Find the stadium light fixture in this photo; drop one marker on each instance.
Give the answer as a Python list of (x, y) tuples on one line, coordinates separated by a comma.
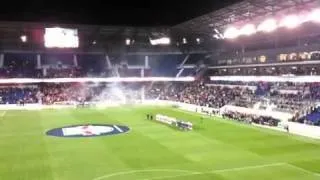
[(291, 21), (198, 40), (24, 38), (268, 25), (231, 33), (184, 41), (216, 36), (94, 42), (128, 41), (160, 41), (248, 30), (314, 16)]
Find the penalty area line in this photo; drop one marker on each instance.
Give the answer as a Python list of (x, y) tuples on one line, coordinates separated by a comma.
[(117, 128), (217, 171), (3, 114), (303, 170), (247, 167), (187, 172)]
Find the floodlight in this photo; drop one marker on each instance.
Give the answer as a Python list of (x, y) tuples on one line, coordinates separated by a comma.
[(268, 25), (165, 40), (248, 29), (216, 30), (184, 41), (231, 33), (24, 38), (128, 41), (291, 21), (198, 40), (216, 36), (314, 16)]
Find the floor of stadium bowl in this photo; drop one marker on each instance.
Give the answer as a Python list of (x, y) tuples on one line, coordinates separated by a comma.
[(216, 148)]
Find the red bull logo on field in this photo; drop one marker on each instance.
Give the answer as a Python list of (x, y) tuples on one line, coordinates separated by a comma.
[(91, 130)]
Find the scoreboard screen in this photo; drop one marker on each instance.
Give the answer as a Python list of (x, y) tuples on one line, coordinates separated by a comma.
[(61, 38)]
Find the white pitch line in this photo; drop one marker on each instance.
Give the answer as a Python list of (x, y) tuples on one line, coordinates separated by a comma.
[(3, 113), (117, 128), (219, 171), (303, 170), (173, 176), (108, 176), (189, 173), (247, 167)]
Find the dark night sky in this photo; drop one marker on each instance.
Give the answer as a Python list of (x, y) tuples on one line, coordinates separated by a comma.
[(115, 12)]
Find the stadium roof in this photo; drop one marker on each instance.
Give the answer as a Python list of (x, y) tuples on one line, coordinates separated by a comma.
[(121, 12), (93, 38), (243, 12), (112, 38)]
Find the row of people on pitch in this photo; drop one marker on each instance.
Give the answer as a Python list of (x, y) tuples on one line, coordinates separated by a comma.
[(248, 118)]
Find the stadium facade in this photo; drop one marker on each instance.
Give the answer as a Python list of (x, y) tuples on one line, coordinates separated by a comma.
[(224, 79)]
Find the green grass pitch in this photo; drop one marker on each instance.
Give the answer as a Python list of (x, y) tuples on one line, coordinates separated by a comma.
[(216, 149)]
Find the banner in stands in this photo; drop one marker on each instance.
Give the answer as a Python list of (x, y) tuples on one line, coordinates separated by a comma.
[(253, 88), (302, 79), (96, 80)]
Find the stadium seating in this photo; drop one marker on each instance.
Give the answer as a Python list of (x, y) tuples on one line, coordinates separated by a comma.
[(275, 97), (283, 97), (15, 95), (165, 65)]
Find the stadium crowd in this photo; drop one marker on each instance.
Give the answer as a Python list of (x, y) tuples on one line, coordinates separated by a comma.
[(285, 97), (203, 95), (210, 95)]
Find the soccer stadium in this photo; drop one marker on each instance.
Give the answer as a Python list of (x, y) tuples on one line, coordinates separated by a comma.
[(230, 95)]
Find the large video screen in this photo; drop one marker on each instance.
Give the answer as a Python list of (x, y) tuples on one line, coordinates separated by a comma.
[(61, 38)]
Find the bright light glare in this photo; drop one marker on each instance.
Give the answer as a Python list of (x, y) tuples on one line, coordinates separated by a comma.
[(184, 41), (268, 25), (128, 41), (24, 38), (61, 38), (291, 21), (315, 16), (198, 40), (160, 41), (248, 29), (231, 33), (216, 36)]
